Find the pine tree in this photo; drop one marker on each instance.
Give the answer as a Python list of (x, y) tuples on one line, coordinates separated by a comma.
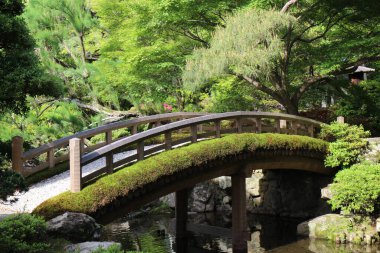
[(20, 72)]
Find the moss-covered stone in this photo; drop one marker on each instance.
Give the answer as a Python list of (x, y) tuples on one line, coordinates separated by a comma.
[(107, 189), (339, 228)]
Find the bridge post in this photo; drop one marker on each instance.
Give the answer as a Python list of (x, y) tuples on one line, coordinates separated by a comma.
[(194, 136), (217, 129), (258, 125), (140, 151), (134, 129), (239, 126), (50, 158), (168, 141), (109, 157), (239, 213), (281, 125), (75, 166), (295, 127), (181, 212), (310, 129), (17, 150)]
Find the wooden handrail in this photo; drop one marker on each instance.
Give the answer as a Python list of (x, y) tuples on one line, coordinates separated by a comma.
[(166, 130), (105, 129)]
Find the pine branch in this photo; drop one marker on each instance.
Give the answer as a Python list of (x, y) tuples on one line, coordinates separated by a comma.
[(288, 5)]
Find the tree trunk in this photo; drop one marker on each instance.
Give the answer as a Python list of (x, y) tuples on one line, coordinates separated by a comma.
[(291, 107)]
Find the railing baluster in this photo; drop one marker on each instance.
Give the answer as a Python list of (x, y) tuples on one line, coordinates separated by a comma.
[(310, 130), (50, 158), (109, 157), (194, 136), (17, 150), (168, 141), (75, 165), (134, 129), (282, 125), (217, 129), (258, 125), (200, 128), (239, 126), (295, 127), (82, 145), (140, 151)]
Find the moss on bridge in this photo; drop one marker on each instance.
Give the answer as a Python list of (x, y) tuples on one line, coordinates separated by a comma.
[(110, 187)]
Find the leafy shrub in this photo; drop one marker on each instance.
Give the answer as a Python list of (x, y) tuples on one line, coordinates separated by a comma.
[(347, 144), (357, 189), (10, 181), (361, 105), (112, 249), (23, 233)]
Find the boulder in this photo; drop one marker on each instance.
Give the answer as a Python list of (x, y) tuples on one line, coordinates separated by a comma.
[(378, 225), (77, 227), (326, 192), (325, 226), (88, 247)]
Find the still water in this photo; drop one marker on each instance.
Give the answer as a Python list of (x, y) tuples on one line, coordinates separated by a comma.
[(156, 233)]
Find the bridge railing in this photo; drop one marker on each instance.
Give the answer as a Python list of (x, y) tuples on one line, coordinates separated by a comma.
[(208, 126), (21, 160)]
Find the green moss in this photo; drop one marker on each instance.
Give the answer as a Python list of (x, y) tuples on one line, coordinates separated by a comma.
[(108, 188)]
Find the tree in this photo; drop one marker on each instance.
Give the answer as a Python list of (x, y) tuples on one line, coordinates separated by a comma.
[(146, 43), (283, 55), (20, 72), (60, 29)]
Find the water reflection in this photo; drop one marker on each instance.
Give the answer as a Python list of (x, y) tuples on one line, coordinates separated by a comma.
[(156, 233)]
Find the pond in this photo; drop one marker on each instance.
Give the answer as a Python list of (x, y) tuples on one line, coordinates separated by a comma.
[(156, 233)]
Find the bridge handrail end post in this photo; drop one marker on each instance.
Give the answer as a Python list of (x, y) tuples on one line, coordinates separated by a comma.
[(17, 150), (75, 165)]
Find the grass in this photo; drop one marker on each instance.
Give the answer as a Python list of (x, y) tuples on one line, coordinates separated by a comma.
[(108, 188)]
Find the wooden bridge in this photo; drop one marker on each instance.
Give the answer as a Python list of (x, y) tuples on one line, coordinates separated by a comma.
[(192, 128)]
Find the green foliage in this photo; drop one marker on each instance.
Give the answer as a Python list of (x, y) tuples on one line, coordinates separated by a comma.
[(23, 233), (148, 48), (357, 189), (43, 122), (231, 94), (20, 72), (347, 144), (61, 34), (279, 54), (119, 184), (10, 181), (112, 249), (361, 105), (250, 45)]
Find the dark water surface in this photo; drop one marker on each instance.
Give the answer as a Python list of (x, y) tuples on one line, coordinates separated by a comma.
[(156, 233)]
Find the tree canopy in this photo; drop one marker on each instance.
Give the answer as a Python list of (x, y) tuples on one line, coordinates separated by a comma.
[(20, 72), (282, 55)]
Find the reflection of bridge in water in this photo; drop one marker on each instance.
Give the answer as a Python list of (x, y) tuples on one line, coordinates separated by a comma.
[(191, 130)]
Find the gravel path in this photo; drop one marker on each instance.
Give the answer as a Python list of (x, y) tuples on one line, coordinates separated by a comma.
[(53, 186)]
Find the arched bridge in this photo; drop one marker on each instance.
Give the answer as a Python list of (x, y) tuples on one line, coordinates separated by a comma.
[(251, 144)]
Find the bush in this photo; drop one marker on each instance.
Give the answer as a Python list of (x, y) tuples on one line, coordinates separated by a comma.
[(23, 233), (347, 144), (112, 249), (10, 181), (357, 189)]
